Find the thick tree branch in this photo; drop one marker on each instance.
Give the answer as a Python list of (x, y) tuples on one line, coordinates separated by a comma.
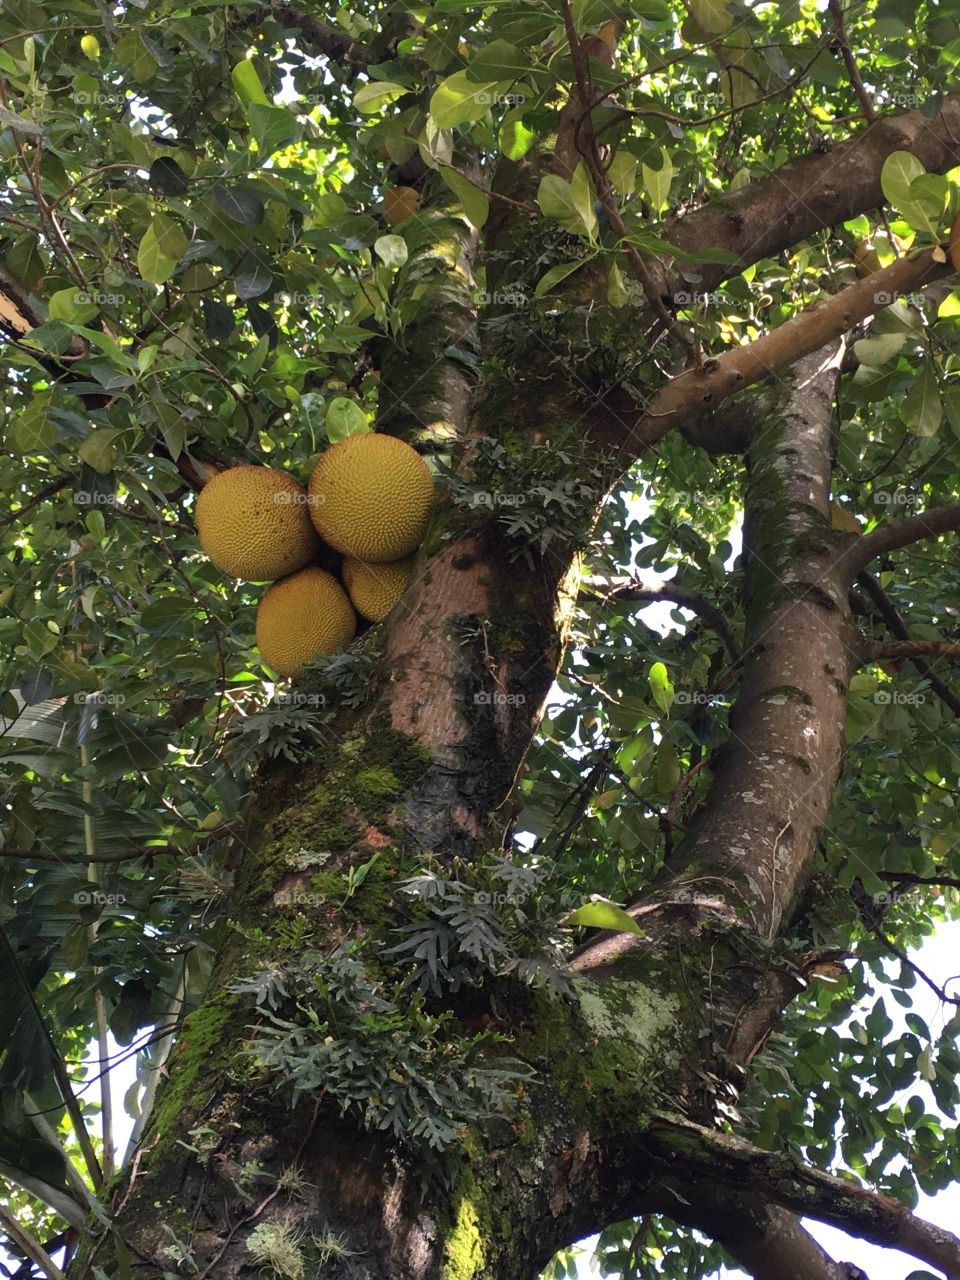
[(787, 1181), (671, 592), (903, 533), (897, 649), (895, 623), (699, 390), (815, 191)]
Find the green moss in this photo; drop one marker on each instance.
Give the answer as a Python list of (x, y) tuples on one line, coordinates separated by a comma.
[(199, 1046), (463, 1248)]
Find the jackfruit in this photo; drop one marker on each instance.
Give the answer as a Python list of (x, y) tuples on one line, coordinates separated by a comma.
[(303, 617), (253, 523), (370, 497), (375, 588)]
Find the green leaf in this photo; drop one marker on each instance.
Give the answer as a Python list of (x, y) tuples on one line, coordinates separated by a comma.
[(240, 204), (657, 182), (391, 250), (34, 432), (550, 279), (131, 51), (167, 176), (458, 100), (617, 294), (369, 98), (273, 127), (515, 139), (247, 84), (10, 120), (604, 915), (345, 418), (556, 200), (669, 770), (876, 351), (899, 170), (72, 306), (97, 450), (476, 204), (160, 251), (584, 197), (661, 687), (623, 172), (922, 408), (498, 61), (253, 277)]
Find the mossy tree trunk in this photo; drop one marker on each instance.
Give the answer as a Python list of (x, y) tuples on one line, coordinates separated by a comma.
[(658, 1028)]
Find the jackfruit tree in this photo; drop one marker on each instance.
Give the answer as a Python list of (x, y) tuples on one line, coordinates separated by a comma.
[(566, 880)]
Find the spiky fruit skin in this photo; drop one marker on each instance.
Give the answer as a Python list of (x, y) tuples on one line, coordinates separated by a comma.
[(254, 523), (370, 497), (375, 588), (303, 617)]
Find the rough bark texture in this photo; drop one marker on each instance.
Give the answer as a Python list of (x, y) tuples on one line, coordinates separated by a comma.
[(423, 769)]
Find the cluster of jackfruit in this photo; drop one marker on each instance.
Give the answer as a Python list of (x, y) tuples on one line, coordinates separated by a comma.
[(368, 499)]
